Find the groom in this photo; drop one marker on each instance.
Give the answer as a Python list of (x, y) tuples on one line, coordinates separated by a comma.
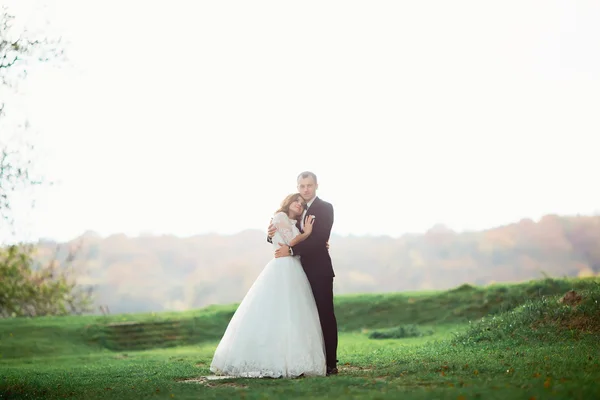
[(314, 255)]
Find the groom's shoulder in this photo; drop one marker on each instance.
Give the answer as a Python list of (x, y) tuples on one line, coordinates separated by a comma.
[(324, 203)]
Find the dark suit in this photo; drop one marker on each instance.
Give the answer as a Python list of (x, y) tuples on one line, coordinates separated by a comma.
[(317, 265)]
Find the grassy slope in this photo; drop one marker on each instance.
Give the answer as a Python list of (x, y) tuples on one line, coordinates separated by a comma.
[(520, 353)]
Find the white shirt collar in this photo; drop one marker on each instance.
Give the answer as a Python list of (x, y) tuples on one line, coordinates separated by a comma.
[(310, 202), (306, 210)]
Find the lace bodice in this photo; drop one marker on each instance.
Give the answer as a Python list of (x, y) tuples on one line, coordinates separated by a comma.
[(286, 229)]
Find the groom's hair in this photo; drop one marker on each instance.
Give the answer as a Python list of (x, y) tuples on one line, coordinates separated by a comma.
[(305, 175)]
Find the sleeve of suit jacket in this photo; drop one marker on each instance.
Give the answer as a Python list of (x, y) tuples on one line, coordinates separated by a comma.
[(321, 231), (269, 240)]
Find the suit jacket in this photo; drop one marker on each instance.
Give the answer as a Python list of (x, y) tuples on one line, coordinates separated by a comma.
[(313, 251)]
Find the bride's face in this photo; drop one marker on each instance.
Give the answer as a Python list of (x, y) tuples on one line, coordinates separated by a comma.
[(297, 206)]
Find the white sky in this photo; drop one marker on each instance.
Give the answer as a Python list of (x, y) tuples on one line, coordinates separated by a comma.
[(187, 117)]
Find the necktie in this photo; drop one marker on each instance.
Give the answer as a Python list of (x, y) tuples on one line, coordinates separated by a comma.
[(303, 215)]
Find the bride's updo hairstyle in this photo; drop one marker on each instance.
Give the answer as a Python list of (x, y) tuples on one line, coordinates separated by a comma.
[(287, 202)]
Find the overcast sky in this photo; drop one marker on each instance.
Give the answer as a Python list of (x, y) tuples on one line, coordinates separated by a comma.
[(187, 117)]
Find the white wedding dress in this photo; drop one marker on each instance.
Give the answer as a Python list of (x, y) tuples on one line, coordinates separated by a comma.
[(275, 332)]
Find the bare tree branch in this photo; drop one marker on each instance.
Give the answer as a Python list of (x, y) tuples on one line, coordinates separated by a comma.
[(17, 51)]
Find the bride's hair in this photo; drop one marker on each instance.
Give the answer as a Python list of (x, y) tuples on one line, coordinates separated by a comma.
[(287, 202)]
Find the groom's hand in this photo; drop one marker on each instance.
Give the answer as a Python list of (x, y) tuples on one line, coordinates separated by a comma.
[(282, 251), (271, 230)]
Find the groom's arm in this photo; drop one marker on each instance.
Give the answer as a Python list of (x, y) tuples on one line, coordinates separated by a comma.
[(320, 234), (269, 233)]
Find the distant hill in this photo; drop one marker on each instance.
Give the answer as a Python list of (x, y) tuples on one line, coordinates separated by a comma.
[(156, 273)]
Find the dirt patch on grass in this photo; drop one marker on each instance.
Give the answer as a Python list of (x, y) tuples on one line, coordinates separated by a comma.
[(577, 318), (213, 381), (354, 368), (584, 323), (571, 298)]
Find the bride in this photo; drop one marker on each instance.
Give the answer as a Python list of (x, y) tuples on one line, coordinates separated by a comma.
[(275, 332)]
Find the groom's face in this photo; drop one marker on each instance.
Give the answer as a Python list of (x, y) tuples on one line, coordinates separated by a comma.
[(307, 188)]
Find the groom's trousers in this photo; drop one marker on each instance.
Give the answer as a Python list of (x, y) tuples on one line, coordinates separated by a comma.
[(322, 288)]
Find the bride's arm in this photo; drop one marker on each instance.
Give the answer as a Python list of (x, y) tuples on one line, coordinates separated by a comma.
[(300, 238), (308, 228), (282, 224)]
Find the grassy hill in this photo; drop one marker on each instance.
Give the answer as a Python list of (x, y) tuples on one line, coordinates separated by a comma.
[(500, 341)]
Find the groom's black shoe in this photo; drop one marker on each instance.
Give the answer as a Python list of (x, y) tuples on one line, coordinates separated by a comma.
[(332, 371)]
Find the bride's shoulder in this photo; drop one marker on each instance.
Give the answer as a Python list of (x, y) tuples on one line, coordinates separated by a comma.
[(280, 216)]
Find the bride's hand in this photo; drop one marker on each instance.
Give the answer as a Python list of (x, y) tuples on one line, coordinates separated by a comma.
[(309, 220)]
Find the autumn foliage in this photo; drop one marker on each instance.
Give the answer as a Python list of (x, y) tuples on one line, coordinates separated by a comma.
[(153, 273), (30, 289)]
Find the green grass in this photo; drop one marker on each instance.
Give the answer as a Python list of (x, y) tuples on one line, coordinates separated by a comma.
[(528, 345)]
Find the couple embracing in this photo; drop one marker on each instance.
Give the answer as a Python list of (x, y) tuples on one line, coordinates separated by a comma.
[(285, 326)]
